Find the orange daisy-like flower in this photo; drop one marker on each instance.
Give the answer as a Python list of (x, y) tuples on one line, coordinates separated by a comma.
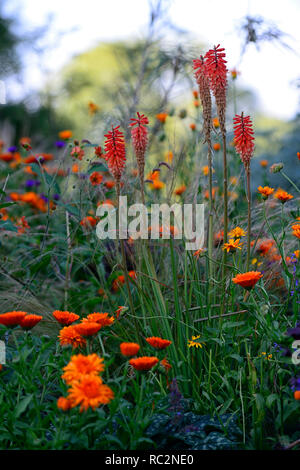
[(80, 366), (217, 146), (218, 237), (68, 336), (102, 319), (158, 343), (90, 393), (12, 318), (64, 404), (265, 191), (237, 232), (65, 135), (232, 245), (144, 363), (247, 280), (297, 395), (162, 117), (87, 328), (65, 318), (30, 321), (88, 222), (180, 190), (96, 178), (193, 126), (110, 184), (296, 231), (216, 122), (264, 247), (264, 163), (282, 196), (129, 349)]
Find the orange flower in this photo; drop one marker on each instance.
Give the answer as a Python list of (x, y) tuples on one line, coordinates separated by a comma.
[(1, 367), (7, 157), (87, 328), (158, 343), (65, 135), (218, 237), (298, 155), (234, 74), (180, 190), (119, 281), (80, 366), (90, 393), (69, 336), (196, 103), (217, 146), (205, 170), (129, 349), (195, 93), (144, 363), (165, 364), (30, 321), (101, 318), (297, 253), (162, 117), (237, 232), (214, 191), (96, 178), (22, 224), (297, 395), (265, 246), (93, 108), (110, 184), (12, 318), (232, 245), (282, 196), (199, 253), (193, 126), (64, 404), (264, 163), (247, 280), (119, 310), (75, 168), (296, 231), (265, 191), (216, 122), (88, 221), (65, 318)]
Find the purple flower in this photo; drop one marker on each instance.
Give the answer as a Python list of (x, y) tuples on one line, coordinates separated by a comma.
[(12, 149), (56, 197), (32, 183), (60, 144)]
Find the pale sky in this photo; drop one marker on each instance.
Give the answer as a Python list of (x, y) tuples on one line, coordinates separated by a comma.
[(270, 72)]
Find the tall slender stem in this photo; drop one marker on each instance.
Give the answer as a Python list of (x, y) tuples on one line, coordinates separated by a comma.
[(247, 168), (210, 220), (225, 237)]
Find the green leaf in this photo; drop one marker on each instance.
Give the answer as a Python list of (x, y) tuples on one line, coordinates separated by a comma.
[(22, 405)]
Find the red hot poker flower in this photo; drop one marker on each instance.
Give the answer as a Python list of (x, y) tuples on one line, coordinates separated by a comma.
[(115, 152), (216, 69), (139, 135), (203, 83), (243, 137)]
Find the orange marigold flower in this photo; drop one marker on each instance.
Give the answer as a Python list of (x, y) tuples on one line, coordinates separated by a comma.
[(64, 404), (87, 328), (90, 393), (264, 247), (12, 318), (217, 146), (232, 245), (102, 318), (298, 155), (162, 117), (199, 253), (68, 336), (218, 237), (65, 135), (297, 395), (96, 178), (129, 349), (180, 190), (88, 222), (264, 163), (193, 126), (247, 280), (265, 191), (144, 363), (158, 343), (282, 195), (237, 232), (65, 318), (205, 170), (296, 231), (195, 93), (196, 103), (110, 184), (81, 366), (30, 321)]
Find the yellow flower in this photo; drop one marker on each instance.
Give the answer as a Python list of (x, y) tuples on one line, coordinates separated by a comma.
[(237, 232), (232, 245), (193, 343)]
